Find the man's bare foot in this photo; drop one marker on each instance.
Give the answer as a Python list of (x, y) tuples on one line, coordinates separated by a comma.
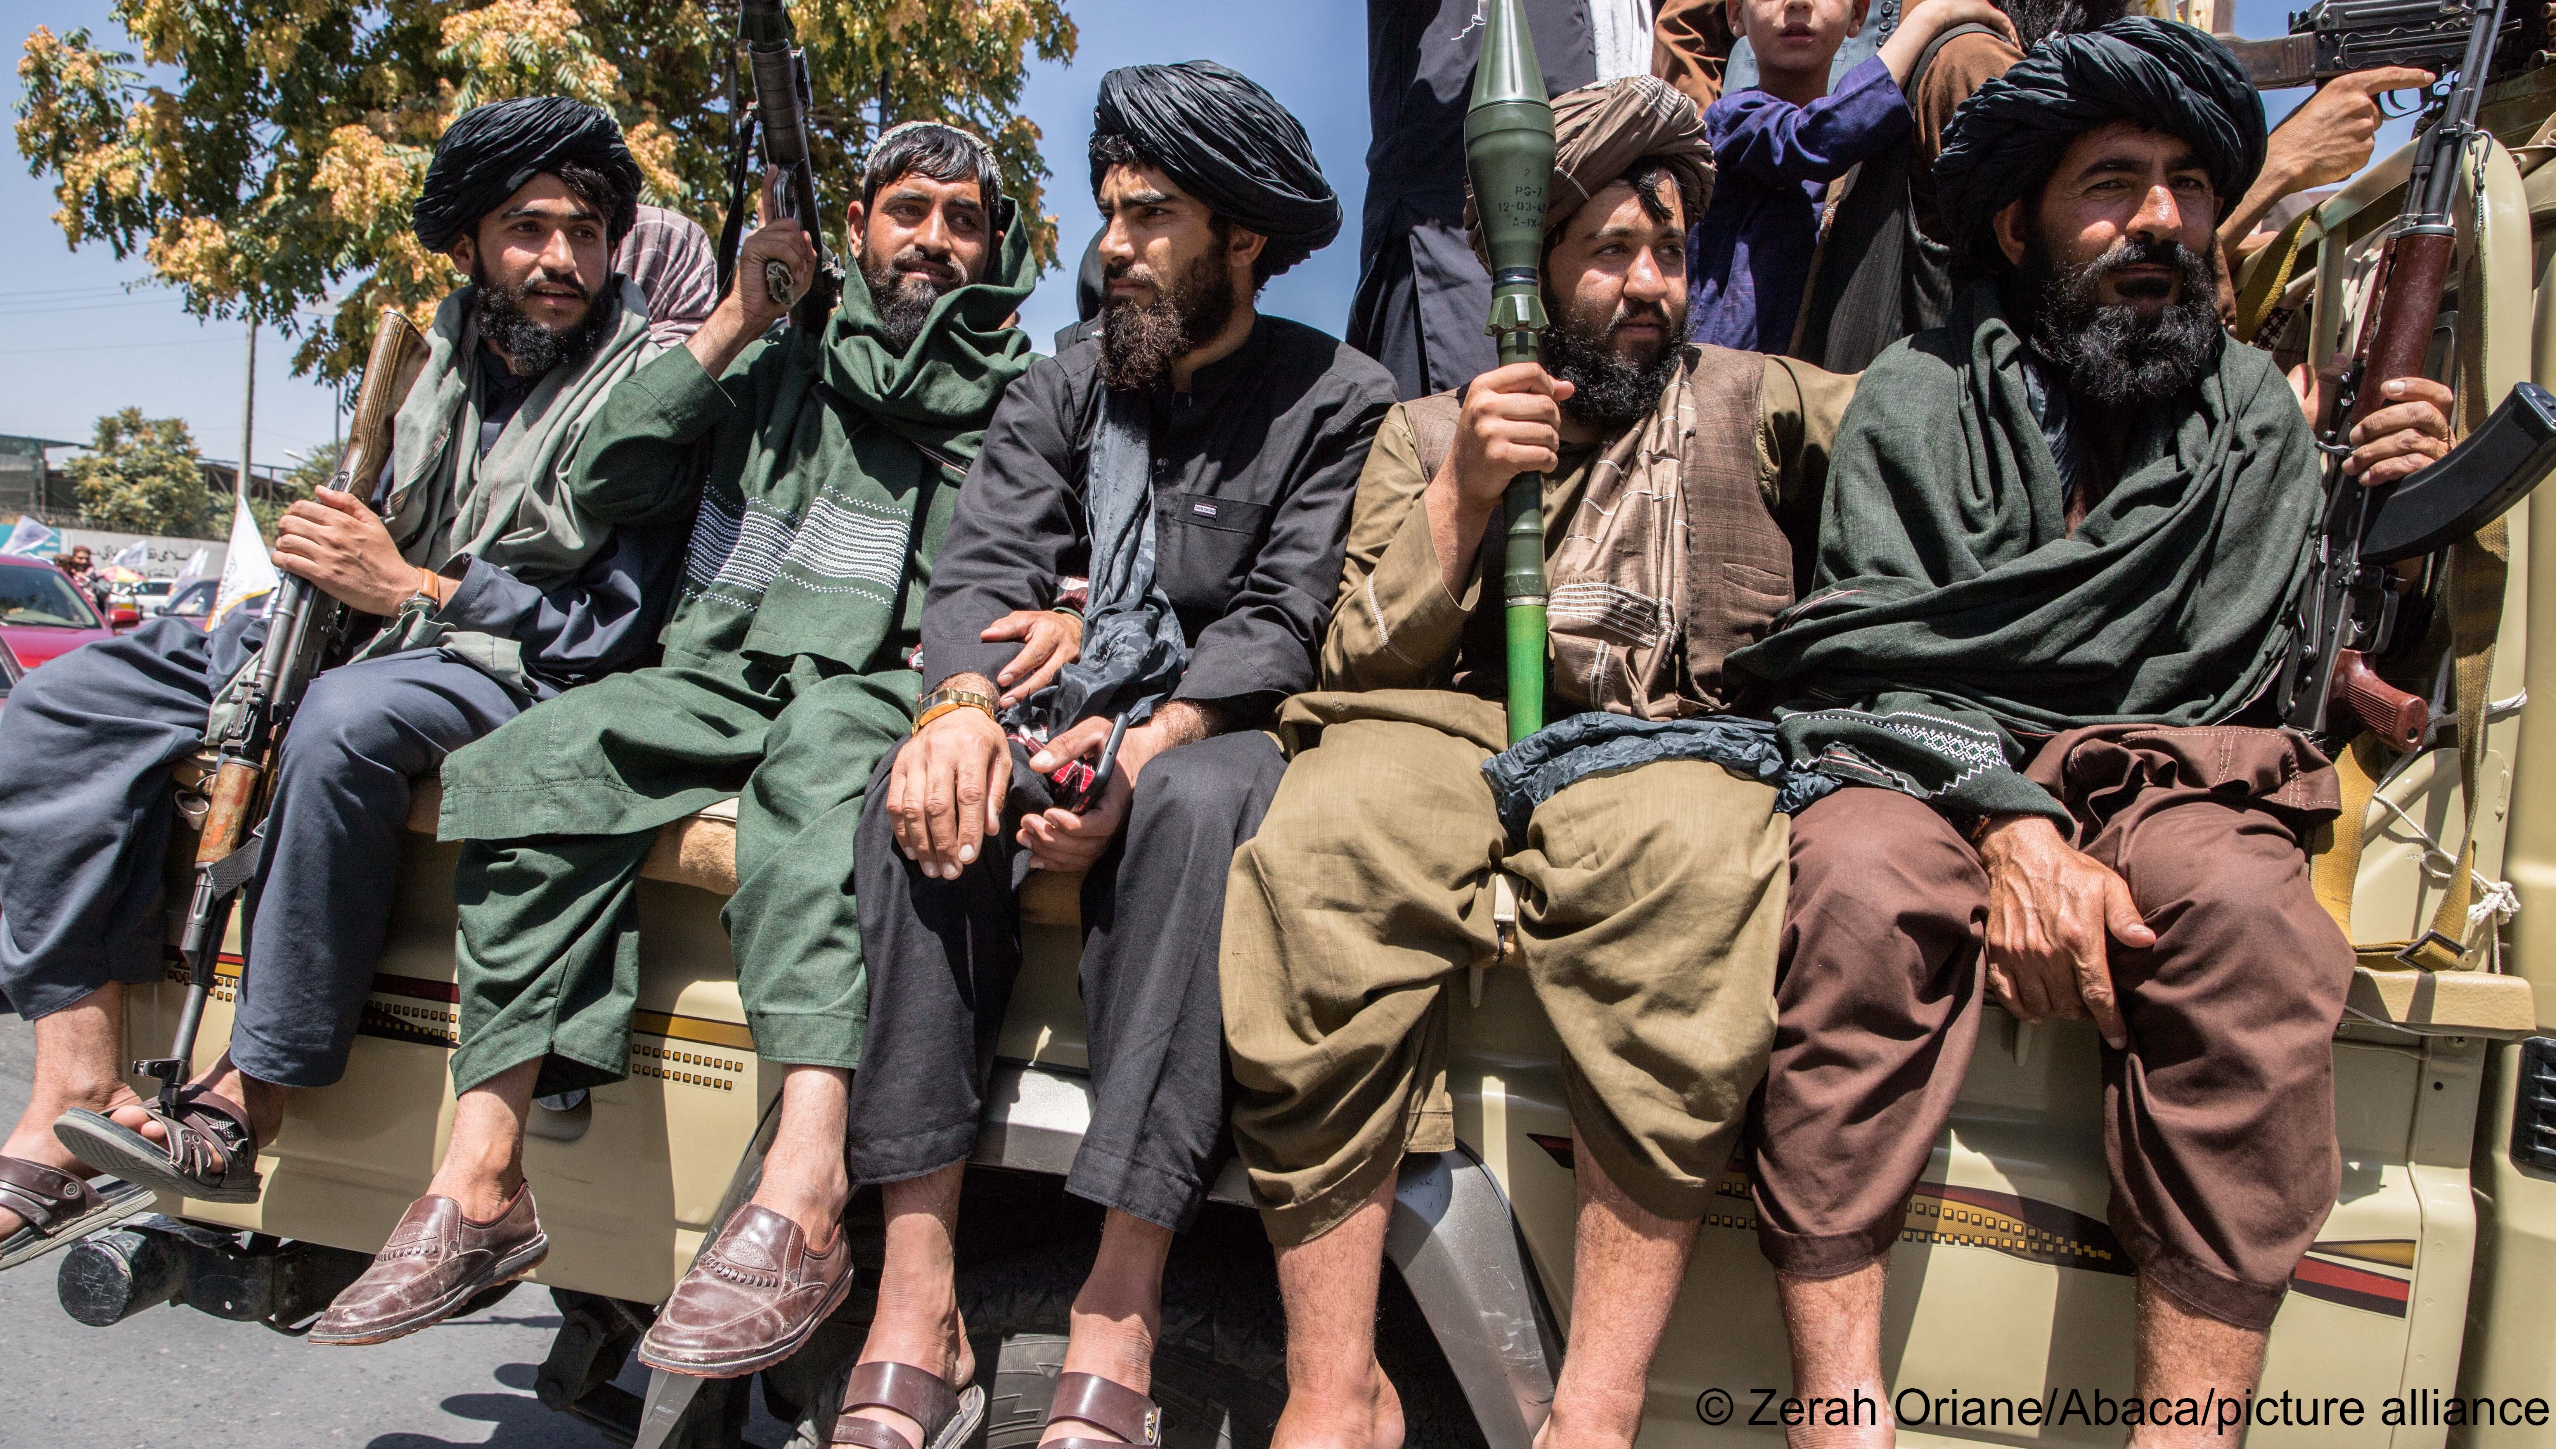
[(902, 1338), (1369, 1419), (37, 1143)]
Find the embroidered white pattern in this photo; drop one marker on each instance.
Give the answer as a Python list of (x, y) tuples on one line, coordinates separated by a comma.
[(740, 547), (1642, 621), (836, 541)]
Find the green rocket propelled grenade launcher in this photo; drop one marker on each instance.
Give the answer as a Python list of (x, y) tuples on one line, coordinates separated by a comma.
[(1511, 153)]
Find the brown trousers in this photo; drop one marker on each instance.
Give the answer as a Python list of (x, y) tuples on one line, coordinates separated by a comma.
[(1649, 926), (2218, 1119)]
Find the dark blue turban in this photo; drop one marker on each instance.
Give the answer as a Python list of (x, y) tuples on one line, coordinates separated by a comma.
[(2006, 139), (1229, 143), (491, 151)]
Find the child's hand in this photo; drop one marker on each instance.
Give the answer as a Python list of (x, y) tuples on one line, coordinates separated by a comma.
[(1947, 14), (1926, 19)]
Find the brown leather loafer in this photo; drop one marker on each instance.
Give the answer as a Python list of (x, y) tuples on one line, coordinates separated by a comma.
[(434, 1264), (751, 1299)]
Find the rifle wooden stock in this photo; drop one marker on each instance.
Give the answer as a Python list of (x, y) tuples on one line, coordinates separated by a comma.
[(394, 363), (229, 807), (2398, 719)]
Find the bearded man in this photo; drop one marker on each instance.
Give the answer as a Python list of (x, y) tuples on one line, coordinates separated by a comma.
[(1194, 461), (822, 473), (498, 590), (2055, 586), (1651, 884)]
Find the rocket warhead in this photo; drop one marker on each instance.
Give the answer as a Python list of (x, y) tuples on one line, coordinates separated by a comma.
[(1511, 154)]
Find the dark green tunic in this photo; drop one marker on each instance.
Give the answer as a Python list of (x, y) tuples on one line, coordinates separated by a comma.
[(1955, 625), (822, 479)]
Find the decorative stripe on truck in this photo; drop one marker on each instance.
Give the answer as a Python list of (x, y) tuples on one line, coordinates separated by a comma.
[(1943, 1214)]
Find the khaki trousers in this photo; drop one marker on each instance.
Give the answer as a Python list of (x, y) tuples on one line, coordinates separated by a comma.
[(1649, 920)]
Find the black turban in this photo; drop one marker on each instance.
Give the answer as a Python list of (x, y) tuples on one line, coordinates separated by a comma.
[(2006, 139), (1229, 143), (491, 151)]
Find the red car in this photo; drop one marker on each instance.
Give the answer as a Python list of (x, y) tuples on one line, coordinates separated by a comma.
[(41, 613)]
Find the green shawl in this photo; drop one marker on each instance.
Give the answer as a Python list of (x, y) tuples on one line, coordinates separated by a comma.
[(810, 526), (1954, 625), (513, 507)]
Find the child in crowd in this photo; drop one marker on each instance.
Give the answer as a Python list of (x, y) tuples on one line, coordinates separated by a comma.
[(1780, 142)]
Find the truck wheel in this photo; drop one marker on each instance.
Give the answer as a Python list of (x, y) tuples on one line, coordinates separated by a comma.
[(1220, 1371)]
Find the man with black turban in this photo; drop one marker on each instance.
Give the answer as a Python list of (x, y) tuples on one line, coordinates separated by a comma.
[(819, 475), (497, 590), (1650, 862), (2055, 586), (1193, 461)]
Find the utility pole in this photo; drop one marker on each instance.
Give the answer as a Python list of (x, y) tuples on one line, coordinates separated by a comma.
[(250, 385)]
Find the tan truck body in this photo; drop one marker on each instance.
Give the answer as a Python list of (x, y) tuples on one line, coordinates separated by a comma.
[(2434, 1274)]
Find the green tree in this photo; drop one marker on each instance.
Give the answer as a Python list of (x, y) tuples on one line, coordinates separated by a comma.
[(278, 167), (141, 476)]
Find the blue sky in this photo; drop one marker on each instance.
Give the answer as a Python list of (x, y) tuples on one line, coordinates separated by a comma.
[(73, 345)]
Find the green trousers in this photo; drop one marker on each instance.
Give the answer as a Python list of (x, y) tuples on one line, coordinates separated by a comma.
[(559, 808)]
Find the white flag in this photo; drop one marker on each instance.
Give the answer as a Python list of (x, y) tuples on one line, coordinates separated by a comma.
[(248, 572), (32, 539), (132, 556), (196, 568)]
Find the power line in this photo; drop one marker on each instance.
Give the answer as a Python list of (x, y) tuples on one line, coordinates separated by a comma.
[(108, 347)]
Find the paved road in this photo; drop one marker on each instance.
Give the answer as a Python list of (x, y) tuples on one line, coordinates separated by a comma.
[(175, 1376)]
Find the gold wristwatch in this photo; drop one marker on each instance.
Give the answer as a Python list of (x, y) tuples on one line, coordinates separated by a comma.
[(942, 701)]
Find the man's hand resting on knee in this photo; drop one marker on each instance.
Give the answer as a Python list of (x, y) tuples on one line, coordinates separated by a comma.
[(2053, 912), (945, 794)]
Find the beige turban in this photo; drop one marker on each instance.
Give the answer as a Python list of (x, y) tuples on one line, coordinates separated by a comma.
[(1603, 129)]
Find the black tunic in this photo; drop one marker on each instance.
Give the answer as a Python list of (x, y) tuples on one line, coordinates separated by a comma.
[(1422, 298), (1253, 473)]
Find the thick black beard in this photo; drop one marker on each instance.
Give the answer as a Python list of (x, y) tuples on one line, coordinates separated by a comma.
[(1610, 391), (1139, 340), (2113, 357), (903, 304), (533, 348)]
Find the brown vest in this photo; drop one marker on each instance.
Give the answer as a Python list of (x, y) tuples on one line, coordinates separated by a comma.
[(1740, 560)]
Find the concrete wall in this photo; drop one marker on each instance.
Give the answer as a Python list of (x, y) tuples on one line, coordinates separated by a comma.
[(163, 558)]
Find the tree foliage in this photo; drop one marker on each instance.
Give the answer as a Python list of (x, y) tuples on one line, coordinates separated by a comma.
[(141, 476), (268, 157)]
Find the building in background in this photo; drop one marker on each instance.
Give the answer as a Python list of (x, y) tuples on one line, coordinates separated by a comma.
[(27, 483)]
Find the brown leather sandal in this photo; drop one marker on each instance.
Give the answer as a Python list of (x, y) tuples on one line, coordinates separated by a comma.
[(946, 1416), (211, 1154), (59, 1207), (1133, 1420)]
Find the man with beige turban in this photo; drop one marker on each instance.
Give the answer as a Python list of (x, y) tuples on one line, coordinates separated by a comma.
[(1639, 829)]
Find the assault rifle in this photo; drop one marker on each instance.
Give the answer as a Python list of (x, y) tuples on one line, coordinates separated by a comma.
[(306, 628), (781, 93), (2349, 611), (2338, 37)]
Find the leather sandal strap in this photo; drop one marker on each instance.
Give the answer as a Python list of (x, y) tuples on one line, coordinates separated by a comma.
[(43, 1195), (917, 1394), (209, 1136), (869, 1433), (1106, 1404)]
